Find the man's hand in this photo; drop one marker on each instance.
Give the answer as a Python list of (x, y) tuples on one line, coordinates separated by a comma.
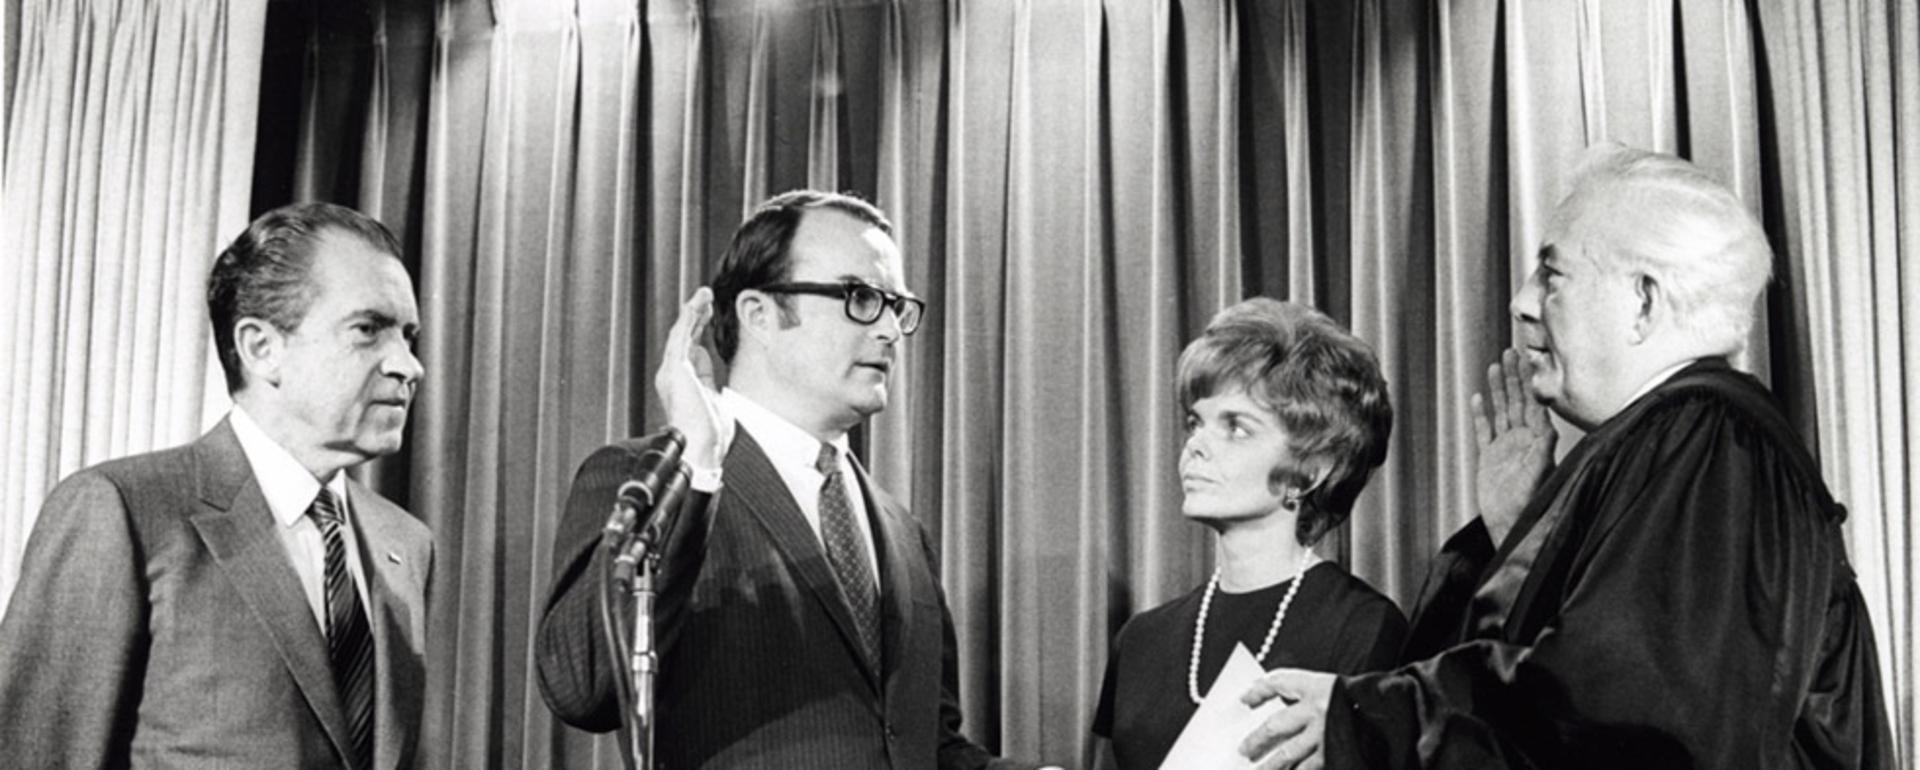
[(1291, 737), (1515, 444), (684, 383)]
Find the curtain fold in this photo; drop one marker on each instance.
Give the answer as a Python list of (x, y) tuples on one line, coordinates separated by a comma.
[(1390, 274), (1077, 186), (542, 312), (128, 147), (1846, 80), (1149, 552), (1472, 237), (1052, 414)]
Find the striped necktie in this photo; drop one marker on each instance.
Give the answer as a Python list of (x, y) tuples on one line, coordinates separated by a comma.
[(845, 553), (349, 639)]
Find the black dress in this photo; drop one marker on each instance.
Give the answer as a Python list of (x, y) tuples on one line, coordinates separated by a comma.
[(1337, 624)]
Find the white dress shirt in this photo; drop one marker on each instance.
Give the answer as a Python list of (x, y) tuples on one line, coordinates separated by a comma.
[(793, 452), (290, 490)]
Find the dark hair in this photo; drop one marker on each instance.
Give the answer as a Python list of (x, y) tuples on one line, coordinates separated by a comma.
[(759, 254), (1321, 381), (265, 273)]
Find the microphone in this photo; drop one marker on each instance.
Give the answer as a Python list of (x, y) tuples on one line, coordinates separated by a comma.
[(666, 513), (654, 534), (658, 464)]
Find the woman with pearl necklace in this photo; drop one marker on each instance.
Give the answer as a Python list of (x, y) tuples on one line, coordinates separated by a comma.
[(1287, 415)]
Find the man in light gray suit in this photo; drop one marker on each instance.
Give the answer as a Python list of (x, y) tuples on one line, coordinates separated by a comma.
[(239, 601)]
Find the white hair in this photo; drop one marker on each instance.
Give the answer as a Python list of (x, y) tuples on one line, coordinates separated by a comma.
[(1664, 217)]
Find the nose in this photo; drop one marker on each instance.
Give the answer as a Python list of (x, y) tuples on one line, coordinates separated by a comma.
[(401, 363), (1193, 447), (1525, 306), (887, 326)]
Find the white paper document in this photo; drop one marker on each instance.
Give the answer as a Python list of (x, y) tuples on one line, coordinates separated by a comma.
[(1211, 740)]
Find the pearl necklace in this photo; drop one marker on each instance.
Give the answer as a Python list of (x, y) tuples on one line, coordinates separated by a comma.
[(1279, 616)]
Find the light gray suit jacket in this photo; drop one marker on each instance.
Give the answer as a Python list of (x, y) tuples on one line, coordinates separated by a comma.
[(158, 622)]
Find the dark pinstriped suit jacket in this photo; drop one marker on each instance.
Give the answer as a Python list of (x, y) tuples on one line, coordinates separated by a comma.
[(157, 622), (758, 665)]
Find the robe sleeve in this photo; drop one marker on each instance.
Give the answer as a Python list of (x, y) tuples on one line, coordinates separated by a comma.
[(1447, 591), (1701, 570)]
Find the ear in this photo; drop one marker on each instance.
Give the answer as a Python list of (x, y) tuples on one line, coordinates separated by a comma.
[(1649, 301), (1319, 470), (1316, 473), (262, 349), (756, 312)]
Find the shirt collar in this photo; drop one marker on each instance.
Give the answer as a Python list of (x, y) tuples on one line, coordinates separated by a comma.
[(287, 485), (786, 444), (1663, 376)]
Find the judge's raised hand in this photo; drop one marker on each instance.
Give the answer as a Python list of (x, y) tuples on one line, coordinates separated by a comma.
[(684, 383), (1291, 737), (1515, 441)]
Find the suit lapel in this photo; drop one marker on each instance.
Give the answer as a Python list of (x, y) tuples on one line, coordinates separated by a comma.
[(752, 479), (397, 673), (237, 527)]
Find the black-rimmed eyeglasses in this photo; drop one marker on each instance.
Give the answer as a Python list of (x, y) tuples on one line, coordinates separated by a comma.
[(864, 302)]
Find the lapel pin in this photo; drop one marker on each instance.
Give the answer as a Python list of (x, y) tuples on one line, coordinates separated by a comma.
[(393, 557)]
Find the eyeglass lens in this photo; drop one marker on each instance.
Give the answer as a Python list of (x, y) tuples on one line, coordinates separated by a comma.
[(866, 302)]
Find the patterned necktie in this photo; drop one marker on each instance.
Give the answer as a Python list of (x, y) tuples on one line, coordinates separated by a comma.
[(845, 552), (349, 638)]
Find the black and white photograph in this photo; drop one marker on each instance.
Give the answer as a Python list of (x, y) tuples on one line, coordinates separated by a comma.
[(960, 384)]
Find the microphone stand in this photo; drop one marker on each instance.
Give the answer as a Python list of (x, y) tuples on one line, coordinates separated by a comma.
[(617, 645), (642, 661), (637, 567)]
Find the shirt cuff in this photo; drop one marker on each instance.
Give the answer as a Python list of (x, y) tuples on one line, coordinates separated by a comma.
[(704, 480)]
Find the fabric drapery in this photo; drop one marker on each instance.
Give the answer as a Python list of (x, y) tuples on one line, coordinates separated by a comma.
[(1077, 186), (128, 145), (1846, 81)]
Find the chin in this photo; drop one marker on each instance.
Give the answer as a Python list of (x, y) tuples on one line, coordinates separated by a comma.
[(1199, 503), (380, 444), (1200, 510), (1545, 387), (871, 402), (1208, 518)]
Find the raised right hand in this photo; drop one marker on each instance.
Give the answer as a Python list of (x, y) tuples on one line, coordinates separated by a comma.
[(1515, 441), (684, 383)]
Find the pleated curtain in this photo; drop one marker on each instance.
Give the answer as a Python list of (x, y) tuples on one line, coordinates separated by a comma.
[(127, 148), (1078, 185)]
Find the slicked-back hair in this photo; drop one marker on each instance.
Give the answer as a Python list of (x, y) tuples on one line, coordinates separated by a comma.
[(1661, 216), (266, 273), (760, 254), (1323, 384)]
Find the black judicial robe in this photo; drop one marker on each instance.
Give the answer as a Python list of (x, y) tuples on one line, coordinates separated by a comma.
[(1677, 594)]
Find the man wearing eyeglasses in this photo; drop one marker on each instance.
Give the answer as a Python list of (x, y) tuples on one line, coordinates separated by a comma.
[(801, 619)]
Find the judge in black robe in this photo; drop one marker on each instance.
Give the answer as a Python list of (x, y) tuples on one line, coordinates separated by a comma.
[(1676, 594)]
